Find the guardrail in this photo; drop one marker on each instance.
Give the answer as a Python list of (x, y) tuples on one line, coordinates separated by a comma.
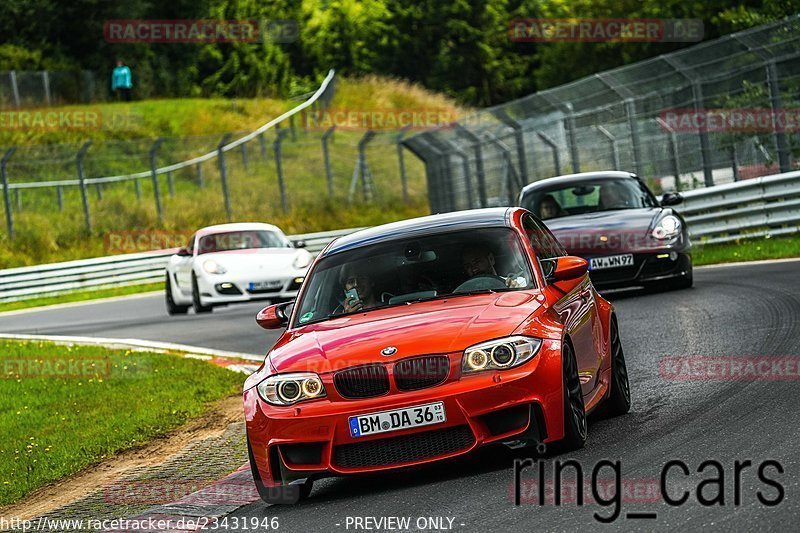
[(112, 271), (753, 208), (769, 205)]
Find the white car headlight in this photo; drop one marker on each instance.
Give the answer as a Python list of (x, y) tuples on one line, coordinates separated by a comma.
[(302, 260), (288, 389), (499, 354), (668, 227), (212, 267)]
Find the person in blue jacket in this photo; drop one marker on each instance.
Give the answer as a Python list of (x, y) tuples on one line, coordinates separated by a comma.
[(121, 83)]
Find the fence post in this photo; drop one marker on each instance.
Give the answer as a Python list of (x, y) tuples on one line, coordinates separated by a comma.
[(673, 148), (292, 127), (223, 174), (14, 87), (402, 162), (60, 197), (327, 159), (46, 84), (200, 182), (84, 196), (361, 171), (18, 198), (554, 147), (154, 176), (478, 162), (734, 162), (279, 166), (244, 156), (171, 184), (465, 169), (630, 111), (519, 138), (569, 123), (784, 153), (614, 148), (137, 187), (705, 145), (263, 142), (7, 191)]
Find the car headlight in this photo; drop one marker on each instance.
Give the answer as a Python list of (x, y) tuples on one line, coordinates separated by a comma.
[(288, 389), (212, 267), (499, 354), (302, 260), (667, 228)]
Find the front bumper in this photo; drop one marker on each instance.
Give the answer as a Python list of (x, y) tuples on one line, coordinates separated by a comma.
[(313, 439), (223, 288), (647, 268)]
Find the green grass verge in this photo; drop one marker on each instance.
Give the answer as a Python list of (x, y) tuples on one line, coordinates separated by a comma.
[(80, 296), (54, 425), (746, 250)]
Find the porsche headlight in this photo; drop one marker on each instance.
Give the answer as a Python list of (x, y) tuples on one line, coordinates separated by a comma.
[(499, 354), (288, 389), (668, 227), (302, 260), (212, 267)]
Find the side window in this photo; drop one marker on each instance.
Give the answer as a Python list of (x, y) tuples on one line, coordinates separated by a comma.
[(190, 246), (547, 247)]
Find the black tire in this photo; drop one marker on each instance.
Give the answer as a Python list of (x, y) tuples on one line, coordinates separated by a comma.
[(284, 495), (619, 400), (574, 409), (172, 307), (196, 303)]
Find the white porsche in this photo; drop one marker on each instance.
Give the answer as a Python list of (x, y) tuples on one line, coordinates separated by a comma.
[(231, 263)]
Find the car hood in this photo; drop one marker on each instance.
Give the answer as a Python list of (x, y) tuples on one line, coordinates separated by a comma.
[(263, 260), (607, 232), (437, 326)]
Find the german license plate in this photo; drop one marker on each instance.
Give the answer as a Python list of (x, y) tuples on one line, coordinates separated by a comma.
[(396, 419), (262, 285), (610, 261)]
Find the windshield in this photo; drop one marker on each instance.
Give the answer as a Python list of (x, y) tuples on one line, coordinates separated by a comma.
[(403, 271), (240, 240), (588, 196)]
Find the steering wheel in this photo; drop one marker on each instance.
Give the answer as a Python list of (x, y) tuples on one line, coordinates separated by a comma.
[(482, 282)]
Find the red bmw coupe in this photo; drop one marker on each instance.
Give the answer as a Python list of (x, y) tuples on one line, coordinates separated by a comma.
[(421, 340)]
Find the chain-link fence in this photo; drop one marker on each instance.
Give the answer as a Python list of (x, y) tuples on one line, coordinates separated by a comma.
[(288, 164), (717, 112), (25, 89)]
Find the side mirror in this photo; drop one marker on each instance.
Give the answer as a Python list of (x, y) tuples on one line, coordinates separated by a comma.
[(299, 244), (569, 268), (671, 198), (274, 316), (184, 252)]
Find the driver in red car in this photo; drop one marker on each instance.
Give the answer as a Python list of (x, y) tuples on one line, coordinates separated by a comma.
[(478, 260)]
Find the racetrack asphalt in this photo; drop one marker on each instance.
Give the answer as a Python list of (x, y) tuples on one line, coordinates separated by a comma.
[(733, 311)]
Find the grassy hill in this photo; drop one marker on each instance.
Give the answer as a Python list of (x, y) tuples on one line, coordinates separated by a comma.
[(192, 127)]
